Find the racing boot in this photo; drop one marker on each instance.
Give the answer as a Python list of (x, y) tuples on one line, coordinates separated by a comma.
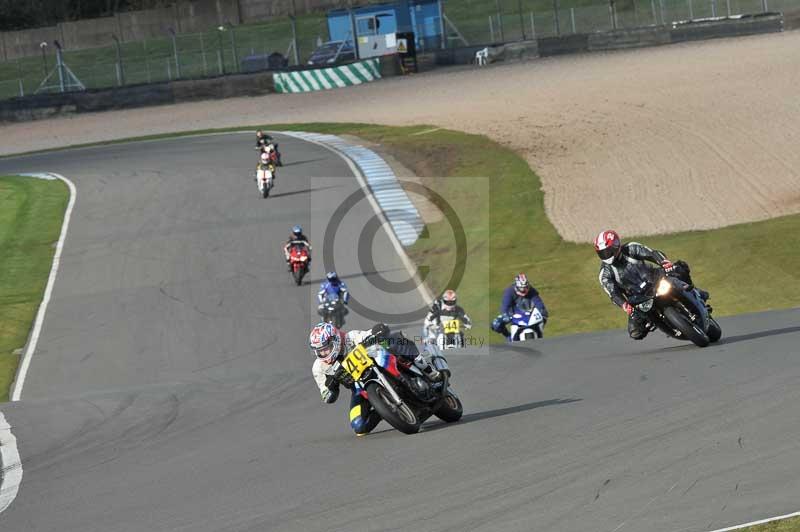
[(425, 367)]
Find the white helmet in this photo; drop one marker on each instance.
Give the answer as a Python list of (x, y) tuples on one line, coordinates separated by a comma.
[(264, 158)]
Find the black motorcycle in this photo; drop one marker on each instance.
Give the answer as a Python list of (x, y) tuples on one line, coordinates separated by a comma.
[(399, 393), (671, 304), (333, 312)]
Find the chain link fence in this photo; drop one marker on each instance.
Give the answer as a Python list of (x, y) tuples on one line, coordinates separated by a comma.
[(510, 20), (234, 49), (223, 50)]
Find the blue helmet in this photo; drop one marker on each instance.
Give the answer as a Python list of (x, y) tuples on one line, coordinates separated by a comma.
[(297, 230), (332, 277)]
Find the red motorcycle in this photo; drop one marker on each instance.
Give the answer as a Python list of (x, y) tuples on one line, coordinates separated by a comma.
[(298, 260), (274, 155)]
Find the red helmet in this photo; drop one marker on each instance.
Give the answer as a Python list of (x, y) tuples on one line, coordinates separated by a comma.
[(608, 246)]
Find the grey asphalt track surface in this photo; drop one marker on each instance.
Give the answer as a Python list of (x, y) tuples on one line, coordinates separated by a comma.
[(171, 390)]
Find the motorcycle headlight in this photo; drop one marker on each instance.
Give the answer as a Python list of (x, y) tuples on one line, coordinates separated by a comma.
[(663, 287), (646, 306)]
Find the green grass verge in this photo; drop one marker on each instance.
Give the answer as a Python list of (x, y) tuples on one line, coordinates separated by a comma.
[(747, 267), (785, 525), (31, 213)]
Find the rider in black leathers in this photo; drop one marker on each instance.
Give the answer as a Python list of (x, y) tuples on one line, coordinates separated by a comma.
[(618, 257)]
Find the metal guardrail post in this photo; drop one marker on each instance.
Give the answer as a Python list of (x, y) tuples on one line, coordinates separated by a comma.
[(293, 22), (43, 47), (491, 27), (521, 20), (572, 18), (691, 10), (728, 5)]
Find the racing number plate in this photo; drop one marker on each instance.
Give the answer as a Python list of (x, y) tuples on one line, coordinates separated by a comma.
[(452, 327), (357, 361)]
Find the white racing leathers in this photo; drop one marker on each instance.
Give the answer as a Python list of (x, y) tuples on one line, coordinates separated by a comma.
[(320, 369)]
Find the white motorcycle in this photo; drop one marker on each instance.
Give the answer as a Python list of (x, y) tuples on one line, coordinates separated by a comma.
[(265, 178), (450, 334)]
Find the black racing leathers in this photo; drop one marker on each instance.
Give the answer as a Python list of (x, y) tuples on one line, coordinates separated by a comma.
[(615, 277)]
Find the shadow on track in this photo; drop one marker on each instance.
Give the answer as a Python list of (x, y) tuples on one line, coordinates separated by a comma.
[(355, 275), (303, 191), (478, 416), (298, 163), (759, 334)]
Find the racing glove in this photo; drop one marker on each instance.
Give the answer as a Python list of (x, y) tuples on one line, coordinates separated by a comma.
[(667, 265), (628, 308)]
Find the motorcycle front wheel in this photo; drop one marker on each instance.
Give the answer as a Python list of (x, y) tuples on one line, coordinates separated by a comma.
[(714, 330), (298, 276), (451, 409), (688, 330), (400, 417)]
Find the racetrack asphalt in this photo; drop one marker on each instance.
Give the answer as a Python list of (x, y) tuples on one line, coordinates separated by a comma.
[(171, 389)]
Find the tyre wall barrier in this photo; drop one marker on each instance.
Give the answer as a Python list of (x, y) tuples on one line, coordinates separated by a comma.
[(567, 44), (632, 38), (39, 106), (328, 78), (726, 27)]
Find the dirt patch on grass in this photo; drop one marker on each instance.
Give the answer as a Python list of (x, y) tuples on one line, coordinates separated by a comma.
[(656, 140)]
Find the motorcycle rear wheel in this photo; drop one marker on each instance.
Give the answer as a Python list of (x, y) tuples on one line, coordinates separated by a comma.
[(688, 330), (451, 409), (265, 192), (402, 418), (298, 276)]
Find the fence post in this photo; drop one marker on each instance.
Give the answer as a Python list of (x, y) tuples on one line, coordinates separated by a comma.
[(491, 28), (21, 88), (220, 29), (203, 54), (293, 22), (175, 52), (169, 69), (500, 22), (653, 7), (691, 10), (764, 5), (612, 15), (572, 18), (728, 5), (120, 70), (714, 8), (233, 47), (663, 10), (521, 20), (556, 22)]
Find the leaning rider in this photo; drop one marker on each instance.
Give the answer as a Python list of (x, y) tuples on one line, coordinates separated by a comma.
[(297, 238), (332, 289), (521, 291), (330, 344), (616, 257), (445, 306)]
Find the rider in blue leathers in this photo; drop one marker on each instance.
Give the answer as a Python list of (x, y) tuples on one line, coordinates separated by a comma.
[(512, 296), (332, 289)]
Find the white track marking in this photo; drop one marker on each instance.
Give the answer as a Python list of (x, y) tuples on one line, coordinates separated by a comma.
[(22, 371), (10, 465), (759, 522), (426, 294)]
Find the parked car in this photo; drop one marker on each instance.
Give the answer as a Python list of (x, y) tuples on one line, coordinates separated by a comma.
[(332, 52), (258, 62)]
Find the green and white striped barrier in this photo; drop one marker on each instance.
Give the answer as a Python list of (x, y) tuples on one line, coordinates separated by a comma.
[(328, 78)]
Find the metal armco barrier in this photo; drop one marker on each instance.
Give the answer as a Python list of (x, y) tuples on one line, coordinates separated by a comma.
[(328, 78)]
